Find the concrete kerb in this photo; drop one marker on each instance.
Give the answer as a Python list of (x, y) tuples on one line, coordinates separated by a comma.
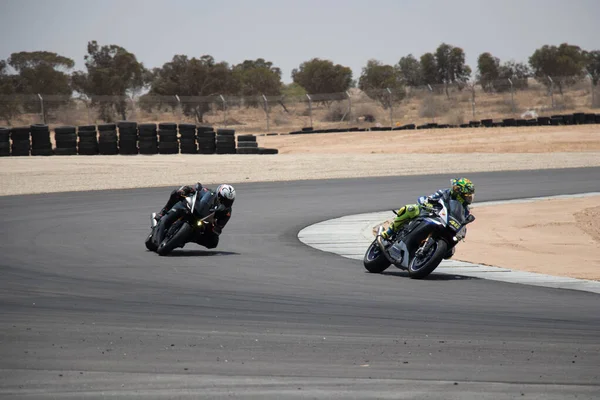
[(349, 237)]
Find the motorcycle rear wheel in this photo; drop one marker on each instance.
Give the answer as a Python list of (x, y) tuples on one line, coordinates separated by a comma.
[(173, 240), (375, 261), (420, 268)]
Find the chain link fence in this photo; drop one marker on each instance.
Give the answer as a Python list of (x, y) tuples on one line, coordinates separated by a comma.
[(444, 104)]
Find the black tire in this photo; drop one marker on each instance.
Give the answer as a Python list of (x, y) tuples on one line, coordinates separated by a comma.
[(246, 138), (247, 144), (434, 259), (174, 239), (4, 135), (149, 242), (206, 135), (374, 260), (167, 126), (90, 128), (226, 132), (266, 150), (65, 151), (107, 127), (246, 150)]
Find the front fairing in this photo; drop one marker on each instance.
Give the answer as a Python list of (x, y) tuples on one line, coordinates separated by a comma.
[(204, 204)]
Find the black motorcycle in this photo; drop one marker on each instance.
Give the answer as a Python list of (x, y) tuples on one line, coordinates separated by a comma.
[(421, 245), (189, 217)]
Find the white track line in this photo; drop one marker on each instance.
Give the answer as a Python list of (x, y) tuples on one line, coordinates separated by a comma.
[(350, 236)]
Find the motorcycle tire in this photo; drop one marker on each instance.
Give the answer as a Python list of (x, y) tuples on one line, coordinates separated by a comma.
[(421, 271), (150, 243), (375, 261), (174, 239)]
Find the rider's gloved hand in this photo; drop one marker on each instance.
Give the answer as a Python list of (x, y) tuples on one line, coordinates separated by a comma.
[(428, 206)]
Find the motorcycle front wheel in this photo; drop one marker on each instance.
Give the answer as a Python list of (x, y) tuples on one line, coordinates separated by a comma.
[(150, 242), (177, 235), (375, 261), (423, 265)]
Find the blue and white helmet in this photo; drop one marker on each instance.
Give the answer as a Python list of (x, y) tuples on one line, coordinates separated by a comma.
[(226, 195)]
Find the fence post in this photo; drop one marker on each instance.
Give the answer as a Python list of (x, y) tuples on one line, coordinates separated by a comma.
[(179, 107), (310, 109), (432, 103), (473, 99), (266, 110), (592, 87), (224, 110), (43, 115), (551, 91), (391, 108), (349, 111), (512, 96)]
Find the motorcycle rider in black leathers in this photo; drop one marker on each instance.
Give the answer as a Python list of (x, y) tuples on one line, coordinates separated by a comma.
[(223, 202)]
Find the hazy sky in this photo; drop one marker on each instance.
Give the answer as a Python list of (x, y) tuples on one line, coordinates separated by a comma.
[(286, 32)]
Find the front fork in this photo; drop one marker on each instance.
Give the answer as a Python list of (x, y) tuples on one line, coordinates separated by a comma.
[(425, 246)]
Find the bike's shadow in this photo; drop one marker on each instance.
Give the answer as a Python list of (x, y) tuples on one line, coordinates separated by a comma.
[(433, 277), (200, 253)]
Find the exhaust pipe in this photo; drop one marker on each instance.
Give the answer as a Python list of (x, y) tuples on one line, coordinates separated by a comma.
[(381, 247)]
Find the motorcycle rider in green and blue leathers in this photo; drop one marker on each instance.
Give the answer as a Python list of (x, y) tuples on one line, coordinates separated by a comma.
[(461, 189)]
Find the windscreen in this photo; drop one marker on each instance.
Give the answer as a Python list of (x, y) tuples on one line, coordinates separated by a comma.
[(204, 201), (457, 211)]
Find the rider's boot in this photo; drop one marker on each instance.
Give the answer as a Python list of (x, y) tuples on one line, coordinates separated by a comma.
[(160, 214)]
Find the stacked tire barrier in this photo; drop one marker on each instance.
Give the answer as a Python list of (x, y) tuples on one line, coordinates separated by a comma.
[(167, 138), (21, 141), (107, 139), (148, 139), (225, 141), (66, 140), (4, 142), (128, 137), (187, 139), (206, 139), (246, 144), (40, 141), (88, 140)]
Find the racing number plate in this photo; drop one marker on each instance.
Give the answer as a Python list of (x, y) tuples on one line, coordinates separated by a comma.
[(454, 223)]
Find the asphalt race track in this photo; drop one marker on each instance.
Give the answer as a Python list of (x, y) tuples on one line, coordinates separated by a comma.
[(87, 312)]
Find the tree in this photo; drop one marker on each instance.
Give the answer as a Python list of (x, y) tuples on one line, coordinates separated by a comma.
[(565, 64), (195, 77), (258, 77), (410, 71), (488, 67), (376, 78), (451, 67), (9, 105), (112, 72), (293, 90), (429, 69), (592, 65), (44, 73), (517, 72), (322, 76)]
